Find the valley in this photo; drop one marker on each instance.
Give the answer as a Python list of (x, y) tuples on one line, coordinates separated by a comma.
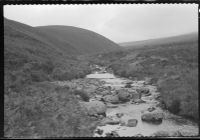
[(63, 81)]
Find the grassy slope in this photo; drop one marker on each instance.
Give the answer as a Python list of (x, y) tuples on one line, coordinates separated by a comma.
[(160, 41), (173, 66), (32, 106), (83, 40)]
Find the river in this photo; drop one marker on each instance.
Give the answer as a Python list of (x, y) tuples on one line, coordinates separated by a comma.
[(134, 111)]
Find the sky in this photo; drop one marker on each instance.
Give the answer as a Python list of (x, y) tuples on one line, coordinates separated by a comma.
[(118, 22)]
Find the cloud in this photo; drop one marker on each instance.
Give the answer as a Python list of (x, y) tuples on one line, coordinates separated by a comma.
[(118, 22)]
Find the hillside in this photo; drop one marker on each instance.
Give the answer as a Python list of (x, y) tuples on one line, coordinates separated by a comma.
[(82, 40), (171, 64), (161, 41)]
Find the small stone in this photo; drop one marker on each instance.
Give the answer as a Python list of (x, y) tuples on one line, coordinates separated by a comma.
[(150, 109), (112, 134), (99, 131), (139, 135), (132, 123), (119, 115)]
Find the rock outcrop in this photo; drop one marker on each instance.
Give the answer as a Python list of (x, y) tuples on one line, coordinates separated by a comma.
[(124, 95)]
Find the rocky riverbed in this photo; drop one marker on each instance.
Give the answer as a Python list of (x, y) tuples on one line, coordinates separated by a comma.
[(124, 107)]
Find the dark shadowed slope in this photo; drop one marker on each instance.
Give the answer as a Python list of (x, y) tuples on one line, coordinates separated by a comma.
[(161, 41), (82, 40)]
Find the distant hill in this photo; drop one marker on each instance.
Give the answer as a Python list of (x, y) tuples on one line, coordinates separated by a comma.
[(82, 40), (57, 39), (161, 41)]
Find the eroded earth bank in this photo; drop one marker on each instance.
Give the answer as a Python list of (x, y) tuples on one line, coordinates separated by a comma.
[(124, 107)]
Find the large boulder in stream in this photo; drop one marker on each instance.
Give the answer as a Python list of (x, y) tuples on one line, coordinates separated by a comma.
[(114, 99), (124, 95), (153, 117), (135, 95), (95, 107)]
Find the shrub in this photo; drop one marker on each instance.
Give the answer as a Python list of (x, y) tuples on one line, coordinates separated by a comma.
[(84, 96)]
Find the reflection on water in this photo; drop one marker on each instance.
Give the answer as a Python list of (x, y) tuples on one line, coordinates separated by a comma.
[(133, 111)]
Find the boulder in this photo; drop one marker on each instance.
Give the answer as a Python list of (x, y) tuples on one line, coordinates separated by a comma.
[(153, 117), (105, 92), (122, 123), (128, 84), (132, 123), (143, 90), (150, 109), (95, 107), (100, 89), (124, 95), (135, 95), (112, 134), (138, 135), (114, 99), (119, 115), (99, 131), (110, 121), (138, 101)]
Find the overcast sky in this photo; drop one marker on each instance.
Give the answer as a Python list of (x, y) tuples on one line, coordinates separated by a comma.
[(118, 22)]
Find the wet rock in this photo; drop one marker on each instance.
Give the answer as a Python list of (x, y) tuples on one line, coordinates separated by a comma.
[(153, 117), (114, 99), (119, 115), (110, 121), (112, 134), (135, 95), (148, 94), (99, 131), (105, 92), (122, 123), (138, 101), (150, 109), (101, 116), (95, 107), (128, 84), (100, 89), (143, 90), (132, 123), (124, 95), (138, 135)]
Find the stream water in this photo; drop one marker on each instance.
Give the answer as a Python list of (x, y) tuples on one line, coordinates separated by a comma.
[(134, 111)]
